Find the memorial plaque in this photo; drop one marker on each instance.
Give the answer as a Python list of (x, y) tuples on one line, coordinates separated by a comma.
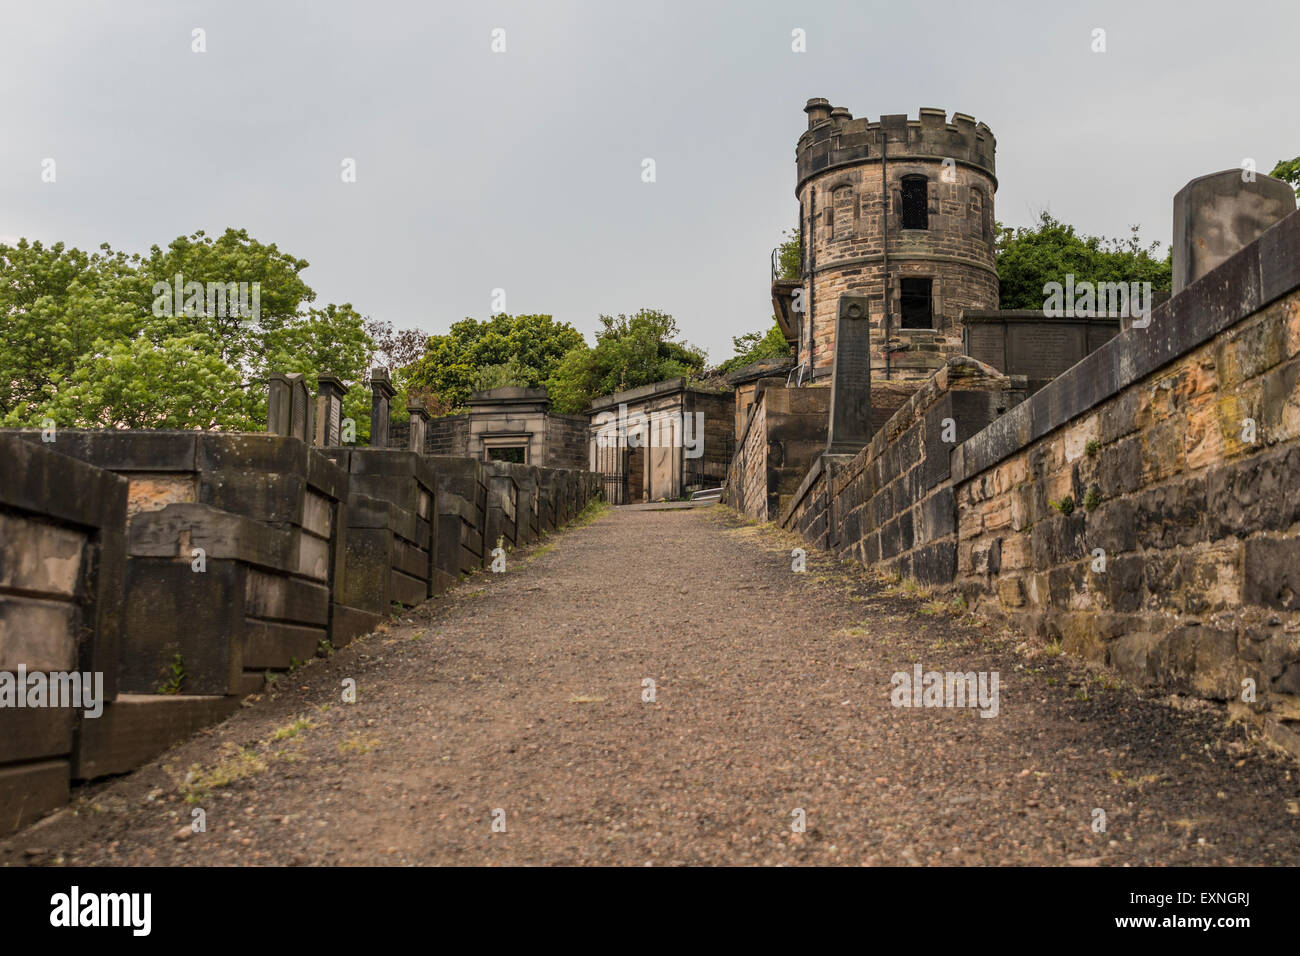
[(850, 411), (987, 342)]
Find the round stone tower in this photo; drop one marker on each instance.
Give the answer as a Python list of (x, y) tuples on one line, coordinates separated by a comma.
[(933, 241)]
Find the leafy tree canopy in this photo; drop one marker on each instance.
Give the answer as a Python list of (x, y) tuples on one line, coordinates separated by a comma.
[(1288, 170), (519, 349), (103, 340), (630, 350), (789, 256), (753, 346), (1029, 258)]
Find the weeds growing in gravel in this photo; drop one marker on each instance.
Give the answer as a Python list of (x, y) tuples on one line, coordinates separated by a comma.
[(596, 508)]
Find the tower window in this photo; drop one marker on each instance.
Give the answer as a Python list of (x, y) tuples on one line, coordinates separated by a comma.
[(915, 303), (916, 208)]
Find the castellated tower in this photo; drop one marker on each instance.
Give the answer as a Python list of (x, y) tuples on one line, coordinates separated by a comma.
[(933, 240)]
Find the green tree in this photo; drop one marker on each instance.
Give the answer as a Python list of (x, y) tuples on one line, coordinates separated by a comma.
[(510, 373), (1289, 171), (630, 351), (453, 362), (182, 382), (233, 257), (789, 256), (753, 346), (1029, 258), (102, 340), (56, 303)]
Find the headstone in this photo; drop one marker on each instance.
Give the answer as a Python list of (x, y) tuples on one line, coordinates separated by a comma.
[(329, 410), (850, 412), (288, 406), (419, 425), (381, 396), (278, 402), (1218, 215), (300, 411)]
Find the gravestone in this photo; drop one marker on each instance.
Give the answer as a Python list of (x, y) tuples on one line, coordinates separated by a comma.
[(850, 411), (329, 410), (1218, 215), (381, 396), (288, 406)]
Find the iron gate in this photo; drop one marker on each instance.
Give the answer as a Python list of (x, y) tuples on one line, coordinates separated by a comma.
[(615, 480)]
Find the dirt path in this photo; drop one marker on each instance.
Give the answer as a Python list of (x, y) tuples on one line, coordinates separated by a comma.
[(523, 692)]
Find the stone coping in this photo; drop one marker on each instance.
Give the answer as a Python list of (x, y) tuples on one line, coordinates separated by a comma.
[(1259, 274)]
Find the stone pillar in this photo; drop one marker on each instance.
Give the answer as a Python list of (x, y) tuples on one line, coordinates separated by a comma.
[(329, 410), (1218, 215), (419, 425), (381, 396), (850, 413)]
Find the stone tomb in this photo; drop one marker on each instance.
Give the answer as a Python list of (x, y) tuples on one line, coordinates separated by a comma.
[(461, 510), (231, 553), (1025, 342), (391, 534), (61, 525)]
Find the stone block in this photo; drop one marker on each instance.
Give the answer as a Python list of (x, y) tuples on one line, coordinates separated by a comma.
[(136, 728), (171, 609), (29, 791), (1272, 573), (275, 646)]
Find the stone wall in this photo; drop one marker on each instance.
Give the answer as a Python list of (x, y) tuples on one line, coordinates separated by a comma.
[(786, 432), (448, 435), (567, 441), (1143, 508), (892, 504), (391, 533), (1126, 511), (62, 552), (182, 567)]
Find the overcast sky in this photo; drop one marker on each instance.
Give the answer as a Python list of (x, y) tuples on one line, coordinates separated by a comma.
[(522, 170)]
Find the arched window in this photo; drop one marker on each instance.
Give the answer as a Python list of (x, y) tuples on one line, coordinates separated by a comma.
[(916, 206)]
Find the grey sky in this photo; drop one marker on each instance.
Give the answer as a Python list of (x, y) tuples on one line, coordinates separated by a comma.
[(522, 170)]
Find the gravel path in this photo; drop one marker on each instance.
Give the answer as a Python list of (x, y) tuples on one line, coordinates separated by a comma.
[(523, 692)]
